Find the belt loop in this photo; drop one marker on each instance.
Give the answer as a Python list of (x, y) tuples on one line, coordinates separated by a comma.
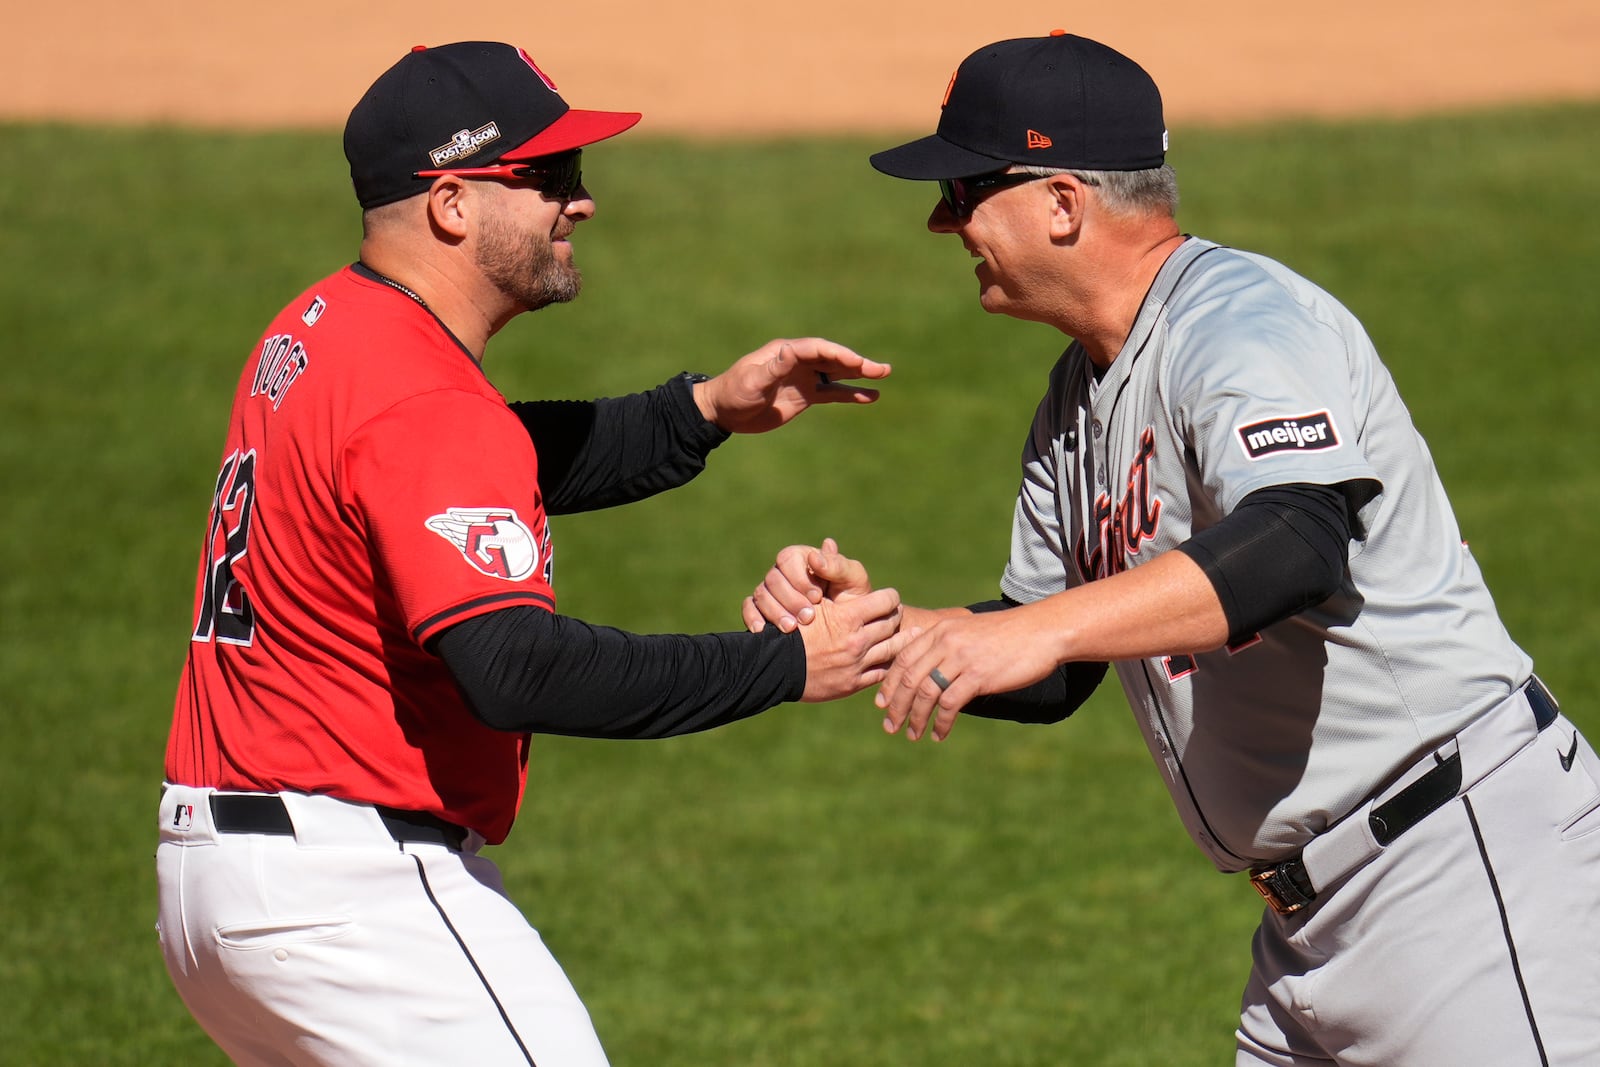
[(1542, 701), (184, 817), (327, 822)]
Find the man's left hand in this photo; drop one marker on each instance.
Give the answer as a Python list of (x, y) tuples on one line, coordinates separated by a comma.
[(779, 380), (957, 659)]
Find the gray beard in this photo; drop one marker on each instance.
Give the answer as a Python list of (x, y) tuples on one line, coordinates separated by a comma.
[(525, 269)]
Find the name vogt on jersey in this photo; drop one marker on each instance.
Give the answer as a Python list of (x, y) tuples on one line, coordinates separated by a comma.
[(283, 360), (1295, 433)]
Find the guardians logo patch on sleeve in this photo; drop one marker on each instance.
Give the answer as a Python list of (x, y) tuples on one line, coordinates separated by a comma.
[(494, 540), (1296, 433)]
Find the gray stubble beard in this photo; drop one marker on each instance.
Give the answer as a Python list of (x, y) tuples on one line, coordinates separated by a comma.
[(526, 270)]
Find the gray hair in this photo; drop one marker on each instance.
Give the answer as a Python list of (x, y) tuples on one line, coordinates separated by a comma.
[(374, 219), (1126, 192)]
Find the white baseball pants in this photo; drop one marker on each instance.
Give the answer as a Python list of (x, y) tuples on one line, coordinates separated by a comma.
[(339, 945)]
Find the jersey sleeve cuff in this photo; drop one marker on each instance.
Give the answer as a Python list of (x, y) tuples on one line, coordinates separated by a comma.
[(694, 429), (429, 628)]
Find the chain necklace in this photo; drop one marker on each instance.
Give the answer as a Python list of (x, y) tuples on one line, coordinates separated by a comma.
[(391, 283)]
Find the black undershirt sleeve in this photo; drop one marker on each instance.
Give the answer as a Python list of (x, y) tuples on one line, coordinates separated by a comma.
[(1283, 549), (1051, 699), (525, 669), (599, 453)]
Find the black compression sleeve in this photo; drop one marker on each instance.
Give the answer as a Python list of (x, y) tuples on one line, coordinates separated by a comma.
[(600, 453), (526, 669), (1283, 549), (1051, 699)]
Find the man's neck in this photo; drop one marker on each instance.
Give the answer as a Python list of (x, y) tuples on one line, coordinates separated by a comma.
[(468, 312), (1116, 299)]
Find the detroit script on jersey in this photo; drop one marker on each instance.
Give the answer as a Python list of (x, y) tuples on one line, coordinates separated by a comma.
[(1238, 375)]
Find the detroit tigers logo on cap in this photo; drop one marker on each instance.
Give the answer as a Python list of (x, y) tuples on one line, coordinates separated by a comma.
[(494, 540), (1293, 433)]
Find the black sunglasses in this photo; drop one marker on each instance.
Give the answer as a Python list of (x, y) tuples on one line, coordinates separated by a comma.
[(961, 195), (557, 177)]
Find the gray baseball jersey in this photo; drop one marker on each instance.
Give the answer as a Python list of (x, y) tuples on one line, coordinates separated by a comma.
[(1239, 374)]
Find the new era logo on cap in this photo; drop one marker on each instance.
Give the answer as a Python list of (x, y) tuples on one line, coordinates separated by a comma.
[(1038, 140)]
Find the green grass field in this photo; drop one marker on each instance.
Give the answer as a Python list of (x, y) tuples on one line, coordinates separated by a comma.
[(797, 889)]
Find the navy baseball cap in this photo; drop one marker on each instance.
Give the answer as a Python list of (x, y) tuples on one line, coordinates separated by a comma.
[(1056, 101), (468, 104)]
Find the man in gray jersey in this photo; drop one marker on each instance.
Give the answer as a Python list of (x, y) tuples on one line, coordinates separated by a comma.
[(1224, 498)]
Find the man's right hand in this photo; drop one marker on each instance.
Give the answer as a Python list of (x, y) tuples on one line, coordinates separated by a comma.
[(800, 580), (850, 643)]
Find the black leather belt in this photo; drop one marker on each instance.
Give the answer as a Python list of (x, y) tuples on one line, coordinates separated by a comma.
[(251, 813), (1287, 888)]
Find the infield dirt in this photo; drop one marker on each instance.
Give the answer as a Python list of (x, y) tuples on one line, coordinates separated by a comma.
[(719, 67)]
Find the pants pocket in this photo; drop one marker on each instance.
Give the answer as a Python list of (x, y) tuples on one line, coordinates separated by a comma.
[(257, 934), (1586, 823)]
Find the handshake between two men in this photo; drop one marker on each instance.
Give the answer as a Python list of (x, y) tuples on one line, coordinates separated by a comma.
[(933, 662)]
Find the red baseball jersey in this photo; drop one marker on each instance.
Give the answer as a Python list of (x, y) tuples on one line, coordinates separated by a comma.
[(374, 489)]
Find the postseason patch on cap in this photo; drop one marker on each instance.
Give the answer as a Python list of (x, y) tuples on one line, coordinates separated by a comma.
[(464, 143), (1296, 433)]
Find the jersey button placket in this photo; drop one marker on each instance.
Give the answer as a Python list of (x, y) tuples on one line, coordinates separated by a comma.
[(1098, 430)]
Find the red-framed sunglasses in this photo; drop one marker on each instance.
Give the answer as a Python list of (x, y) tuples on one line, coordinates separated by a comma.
[(961, 195), (557, 177)]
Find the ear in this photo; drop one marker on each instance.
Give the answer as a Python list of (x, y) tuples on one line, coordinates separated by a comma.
[(449, 204), (1069, 199)]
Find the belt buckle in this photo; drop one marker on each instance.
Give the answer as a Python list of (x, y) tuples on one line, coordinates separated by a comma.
[(1279, 890)]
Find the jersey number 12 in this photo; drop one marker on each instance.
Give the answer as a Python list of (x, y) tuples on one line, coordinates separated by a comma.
[(225, 613)]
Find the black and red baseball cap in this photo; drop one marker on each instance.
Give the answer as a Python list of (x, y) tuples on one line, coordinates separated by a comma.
[(1057, 101), (468, 104)]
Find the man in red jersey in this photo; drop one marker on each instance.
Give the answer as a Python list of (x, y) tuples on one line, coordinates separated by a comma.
[(376, 634)]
